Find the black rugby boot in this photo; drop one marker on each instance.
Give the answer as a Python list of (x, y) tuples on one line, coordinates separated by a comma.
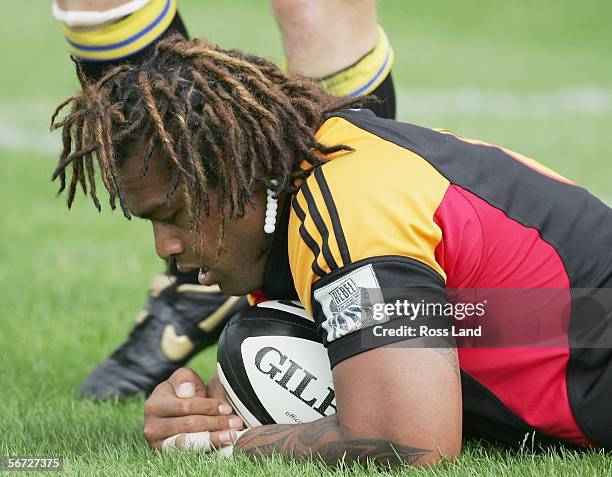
[(177, 322)]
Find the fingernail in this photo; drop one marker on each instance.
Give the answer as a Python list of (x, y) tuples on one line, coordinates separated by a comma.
[(227, 437), (235, 422), (225, 409), (186, 390)]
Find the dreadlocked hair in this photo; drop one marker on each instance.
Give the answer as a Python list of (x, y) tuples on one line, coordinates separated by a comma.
[(221, 118)]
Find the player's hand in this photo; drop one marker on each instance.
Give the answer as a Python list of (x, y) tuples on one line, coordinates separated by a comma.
[(180, 413), (214, 389)]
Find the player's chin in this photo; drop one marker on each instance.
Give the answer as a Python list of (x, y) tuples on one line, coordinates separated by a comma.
[(235, 286)]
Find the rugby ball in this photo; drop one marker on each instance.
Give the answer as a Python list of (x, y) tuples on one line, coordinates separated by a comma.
[(273, 366)]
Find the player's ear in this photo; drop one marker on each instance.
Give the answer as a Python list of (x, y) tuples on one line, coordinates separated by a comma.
[(186, 383)]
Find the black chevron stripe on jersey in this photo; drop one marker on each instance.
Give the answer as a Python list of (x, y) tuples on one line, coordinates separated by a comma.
[(320, 224), (307, 238), (333, 213)]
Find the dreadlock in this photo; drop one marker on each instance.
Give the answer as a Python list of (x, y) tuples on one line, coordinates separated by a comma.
[(223, 119)]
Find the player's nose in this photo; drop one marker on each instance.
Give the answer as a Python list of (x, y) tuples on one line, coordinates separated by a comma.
[(166, 245)]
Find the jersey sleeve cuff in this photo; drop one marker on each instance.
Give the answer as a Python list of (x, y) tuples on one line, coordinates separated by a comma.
[(349, 304)]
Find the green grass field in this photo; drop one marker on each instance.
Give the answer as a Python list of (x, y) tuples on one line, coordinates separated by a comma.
[(533, 76)]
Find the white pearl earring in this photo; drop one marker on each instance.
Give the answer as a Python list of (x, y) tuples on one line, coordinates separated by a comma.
[(271, 208)]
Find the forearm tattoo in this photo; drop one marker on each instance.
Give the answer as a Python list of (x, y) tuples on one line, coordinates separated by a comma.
[(447, 348), (323, 439), (450, 355)]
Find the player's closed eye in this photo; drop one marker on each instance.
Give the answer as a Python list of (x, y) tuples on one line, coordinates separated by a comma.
[(171, 220)]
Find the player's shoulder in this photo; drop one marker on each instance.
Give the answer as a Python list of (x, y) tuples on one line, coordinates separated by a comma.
[(376, 162), (377, 180), (377, 200)]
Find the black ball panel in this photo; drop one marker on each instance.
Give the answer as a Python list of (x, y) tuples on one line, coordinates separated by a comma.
[(253, 322)]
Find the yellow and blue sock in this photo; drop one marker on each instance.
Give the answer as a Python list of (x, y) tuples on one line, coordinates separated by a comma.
[(124, 38), (371, 74)]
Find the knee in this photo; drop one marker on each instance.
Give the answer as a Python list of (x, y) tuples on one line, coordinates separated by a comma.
[(314, 17), (304, 9), (297, 14), (286, 8)]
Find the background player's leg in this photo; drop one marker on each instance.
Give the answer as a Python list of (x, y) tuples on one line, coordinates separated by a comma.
[(339, 43), (180, 318), (177, 322)]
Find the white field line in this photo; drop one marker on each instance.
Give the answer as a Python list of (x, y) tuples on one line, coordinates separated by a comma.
[(590, 101), (19, 139), (24, 125)]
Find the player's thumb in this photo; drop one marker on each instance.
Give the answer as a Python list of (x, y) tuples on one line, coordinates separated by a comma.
[(186, 383)]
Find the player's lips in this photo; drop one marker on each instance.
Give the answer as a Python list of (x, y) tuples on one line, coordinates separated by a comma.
[(207, 277), (186, 268)]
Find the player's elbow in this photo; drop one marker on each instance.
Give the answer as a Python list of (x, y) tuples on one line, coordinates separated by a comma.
[(443, 450), (397, 447)]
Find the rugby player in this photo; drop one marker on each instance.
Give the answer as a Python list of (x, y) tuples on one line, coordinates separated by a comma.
[(195, 137), (351, 56)]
